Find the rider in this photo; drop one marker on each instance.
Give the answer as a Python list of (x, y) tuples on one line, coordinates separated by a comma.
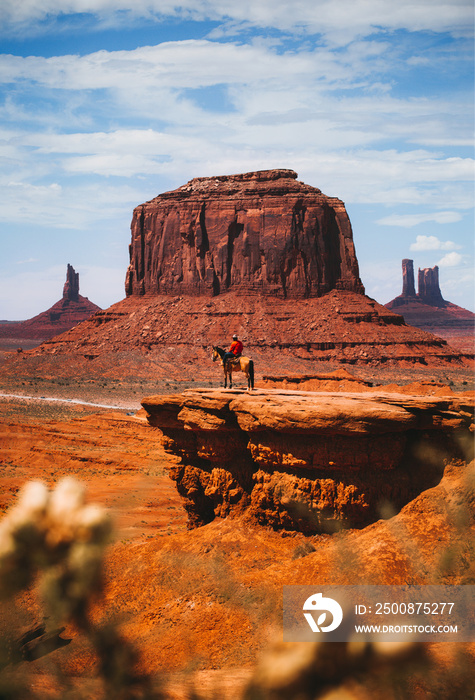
[(235, 350)]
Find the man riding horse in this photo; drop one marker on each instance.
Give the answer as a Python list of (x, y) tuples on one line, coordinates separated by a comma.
[(235, 351), (234, 361)]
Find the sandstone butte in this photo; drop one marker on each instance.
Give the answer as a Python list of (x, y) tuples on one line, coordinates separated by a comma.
[(427, 309), (308, 461), (259, 232), (66, 313), (260, 254)]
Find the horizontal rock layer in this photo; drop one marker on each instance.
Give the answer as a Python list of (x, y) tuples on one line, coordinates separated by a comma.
[(281, 336), (307, 461), (260, 232)]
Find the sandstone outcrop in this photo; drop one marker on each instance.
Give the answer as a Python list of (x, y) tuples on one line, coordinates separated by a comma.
[(259, 232), (429, 311), (307, 461), (69, 311), (408, 288), (71, 286), (259, 254), (429, 289)]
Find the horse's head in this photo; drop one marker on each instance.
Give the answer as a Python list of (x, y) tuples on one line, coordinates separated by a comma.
[(217, 353)]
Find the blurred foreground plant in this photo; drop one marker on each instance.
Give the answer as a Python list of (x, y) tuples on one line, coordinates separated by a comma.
[(359, 671), (60, 536)]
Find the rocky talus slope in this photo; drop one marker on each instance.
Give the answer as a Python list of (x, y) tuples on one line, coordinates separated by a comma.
[(178, 332)]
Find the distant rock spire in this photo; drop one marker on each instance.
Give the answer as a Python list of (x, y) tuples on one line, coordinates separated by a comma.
[(71, 286), (429, 289), (408, 288)]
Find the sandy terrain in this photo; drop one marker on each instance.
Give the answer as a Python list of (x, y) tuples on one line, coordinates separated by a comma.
[(200, 605)]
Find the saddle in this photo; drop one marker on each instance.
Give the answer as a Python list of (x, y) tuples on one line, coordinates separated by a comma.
[(234, 360)]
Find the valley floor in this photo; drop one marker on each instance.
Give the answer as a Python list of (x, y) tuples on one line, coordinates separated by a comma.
[(202, 605)]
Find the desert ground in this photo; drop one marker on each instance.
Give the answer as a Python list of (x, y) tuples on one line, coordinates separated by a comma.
[(202, 607)]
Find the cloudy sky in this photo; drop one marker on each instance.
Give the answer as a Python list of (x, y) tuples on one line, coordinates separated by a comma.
[(107, 103)]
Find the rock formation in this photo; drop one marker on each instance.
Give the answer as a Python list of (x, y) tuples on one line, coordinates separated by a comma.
[(71, 286), (260, 254), (68, 312), (307, 461), (429, 290), (408, 288), (428, 309), (259, 232)]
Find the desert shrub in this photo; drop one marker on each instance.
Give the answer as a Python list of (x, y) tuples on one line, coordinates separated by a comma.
[(59, 537)]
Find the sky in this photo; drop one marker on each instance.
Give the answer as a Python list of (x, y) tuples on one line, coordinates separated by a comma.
[(104, 104)]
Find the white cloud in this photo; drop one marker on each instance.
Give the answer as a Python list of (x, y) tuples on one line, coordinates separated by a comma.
[(273, 100), (360, 17), (410, 220), (450, 260), (71, 207), (171, 65), (433, 243), (93, 135)]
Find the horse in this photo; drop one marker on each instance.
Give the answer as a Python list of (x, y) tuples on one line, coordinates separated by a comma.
[(241, 364)]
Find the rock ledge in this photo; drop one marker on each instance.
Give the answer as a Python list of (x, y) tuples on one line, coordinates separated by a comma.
[(307, 461)]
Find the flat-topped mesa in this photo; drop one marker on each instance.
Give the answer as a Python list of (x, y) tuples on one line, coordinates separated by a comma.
[(261, 232)]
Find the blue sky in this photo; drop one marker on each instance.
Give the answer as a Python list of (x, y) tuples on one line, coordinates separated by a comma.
[(106, 103)]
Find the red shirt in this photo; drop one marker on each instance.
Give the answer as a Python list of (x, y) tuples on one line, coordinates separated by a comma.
[(236, 347)]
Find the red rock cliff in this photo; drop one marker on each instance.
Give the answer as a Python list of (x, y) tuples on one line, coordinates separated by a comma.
[(259, 232)]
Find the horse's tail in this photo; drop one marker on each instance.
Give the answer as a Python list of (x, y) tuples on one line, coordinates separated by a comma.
[(251, 373)]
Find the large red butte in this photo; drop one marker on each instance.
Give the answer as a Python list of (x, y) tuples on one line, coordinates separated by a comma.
[(259, 232)]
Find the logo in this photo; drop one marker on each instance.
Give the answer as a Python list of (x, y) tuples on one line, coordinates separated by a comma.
[(317, 603)]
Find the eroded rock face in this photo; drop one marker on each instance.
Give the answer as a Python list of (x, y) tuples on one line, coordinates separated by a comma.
[(71, 310), (71, 286), (261, 255), (429, 311), (429, 289), (408, 288), (307, 461), (259, 232)]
